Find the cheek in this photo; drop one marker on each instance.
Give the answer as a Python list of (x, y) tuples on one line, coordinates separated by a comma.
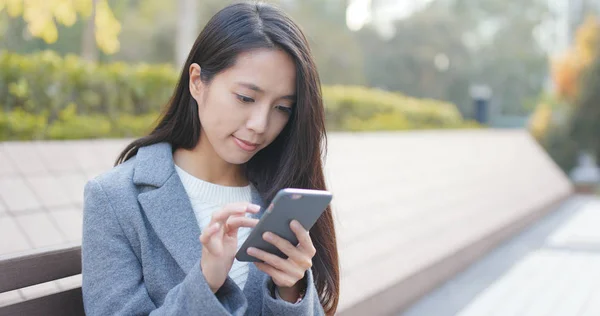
[(218, 117), (278, 126)]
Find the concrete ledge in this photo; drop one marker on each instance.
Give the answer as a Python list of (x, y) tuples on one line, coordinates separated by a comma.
[(415, 208), (400, 296)]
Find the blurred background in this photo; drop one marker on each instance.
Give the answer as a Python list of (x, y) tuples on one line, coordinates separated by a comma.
[(385, 65), (490, 107)]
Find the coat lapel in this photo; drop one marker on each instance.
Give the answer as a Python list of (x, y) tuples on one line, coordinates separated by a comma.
[(171, 215), (166, 204), (170, 212)]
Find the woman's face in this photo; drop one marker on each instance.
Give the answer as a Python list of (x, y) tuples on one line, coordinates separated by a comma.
[(244, 108)]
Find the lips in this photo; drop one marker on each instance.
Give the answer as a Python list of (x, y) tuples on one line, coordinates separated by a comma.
[(245, 145), (249, 143)]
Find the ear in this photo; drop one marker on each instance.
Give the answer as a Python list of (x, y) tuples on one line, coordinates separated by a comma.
[(196, 84)]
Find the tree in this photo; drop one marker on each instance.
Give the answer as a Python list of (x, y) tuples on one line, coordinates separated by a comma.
[(148, 28), (89, 49), (153, 31), (335, 48), (567, 68), (505, 52), (568, 120), (186, 29), (40, 17), (337, 52), (425, 58), (485, 42), (585, 127)]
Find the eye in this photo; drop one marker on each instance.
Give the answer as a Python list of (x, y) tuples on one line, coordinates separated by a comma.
[(285, 109), (244, 99)]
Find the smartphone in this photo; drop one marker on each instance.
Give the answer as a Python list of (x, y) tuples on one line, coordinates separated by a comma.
[(305, 206)]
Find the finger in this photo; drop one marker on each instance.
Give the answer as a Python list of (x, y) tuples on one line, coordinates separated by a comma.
[(304, 241), (229, 210), (207, 233), (234, 209), (211, 240), (279, 277), (271, 259), (233, 223), (287, 248)]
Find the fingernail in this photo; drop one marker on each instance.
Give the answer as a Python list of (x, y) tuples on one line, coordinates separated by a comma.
[(254, 207), (267, 236), (251, 251), (296, 224)]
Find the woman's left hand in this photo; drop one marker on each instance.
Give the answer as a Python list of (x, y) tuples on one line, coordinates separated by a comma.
[(287, 272)]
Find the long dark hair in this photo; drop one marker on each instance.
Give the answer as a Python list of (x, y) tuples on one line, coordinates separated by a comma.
[(294, 157)]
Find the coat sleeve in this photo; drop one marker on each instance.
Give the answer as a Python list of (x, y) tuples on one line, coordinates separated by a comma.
[(113, 281), (310, 305)]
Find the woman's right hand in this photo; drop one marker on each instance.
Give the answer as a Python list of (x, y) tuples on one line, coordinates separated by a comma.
[(219, 241)]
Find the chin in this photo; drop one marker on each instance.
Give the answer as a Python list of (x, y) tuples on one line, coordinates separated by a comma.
[(237, 159), (235, 156)]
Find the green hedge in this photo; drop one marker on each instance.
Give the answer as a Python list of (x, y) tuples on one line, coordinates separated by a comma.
[(45, 96), (47, 82), (357, 108), (21, 125)]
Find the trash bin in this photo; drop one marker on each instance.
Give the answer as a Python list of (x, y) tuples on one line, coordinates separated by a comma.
[(481, 95)]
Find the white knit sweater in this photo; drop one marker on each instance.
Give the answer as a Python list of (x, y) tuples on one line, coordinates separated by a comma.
[(206, 198)]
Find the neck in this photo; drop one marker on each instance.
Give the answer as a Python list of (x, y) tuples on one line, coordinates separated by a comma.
[(205, 164)]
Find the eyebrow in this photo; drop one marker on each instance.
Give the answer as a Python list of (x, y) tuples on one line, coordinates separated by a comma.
[(259, 90)]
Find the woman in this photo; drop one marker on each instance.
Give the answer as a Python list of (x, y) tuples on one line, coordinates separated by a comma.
[(161, 229)]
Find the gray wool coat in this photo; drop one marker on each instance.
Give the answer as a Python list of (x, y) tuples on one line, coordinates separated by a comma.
[(141, 252)]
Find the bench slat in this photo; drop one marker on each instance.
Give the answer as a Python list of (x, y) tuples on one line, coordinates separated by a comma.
[(63, 303), (39, 266)]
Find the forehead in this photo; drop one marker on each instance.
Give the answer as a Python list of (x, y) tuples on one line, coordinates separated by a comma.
[(272, 70)]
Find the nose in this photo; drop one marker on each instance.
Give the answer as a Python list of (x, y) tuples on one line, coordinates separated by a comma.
[(259, 119)]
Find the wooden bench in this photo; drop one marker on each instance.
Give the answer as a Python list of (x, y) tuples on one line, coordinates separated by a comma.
[(38, 266)]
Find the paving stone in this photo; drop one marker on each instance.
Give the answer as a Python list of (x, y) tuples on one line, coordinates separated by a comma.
[(25, 157), (56, 156), (2, 207), (73, 184), (49, 191), (11, 238), (69, 221), (40, 229), (17, 195), (7, 167)]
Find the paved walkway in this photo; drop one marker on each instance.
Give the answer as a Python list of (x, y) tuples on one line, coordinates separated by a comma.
[(553, 268)]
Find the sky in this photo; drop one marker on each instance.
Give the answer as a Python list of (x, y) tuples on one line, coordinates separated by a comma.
[(358, 12)]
